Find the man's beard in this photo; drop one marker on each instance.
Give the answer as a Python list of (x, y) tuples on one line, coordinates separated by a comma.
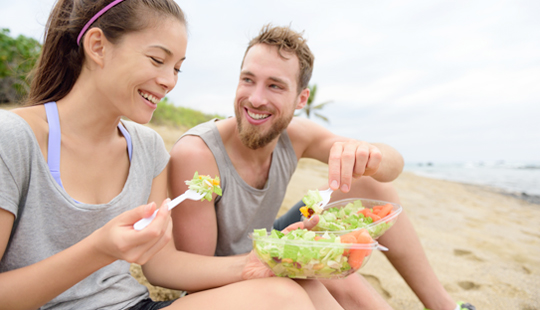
[(253, 138)]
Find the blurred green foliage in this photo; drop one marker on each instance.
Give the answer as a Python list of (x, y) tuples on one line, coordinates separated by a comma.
[(17, 58), (312, 108), (168, 114)]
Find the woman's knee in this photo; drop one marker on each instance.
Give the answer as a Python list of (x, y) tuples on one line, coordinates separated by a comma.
[(287, 294)]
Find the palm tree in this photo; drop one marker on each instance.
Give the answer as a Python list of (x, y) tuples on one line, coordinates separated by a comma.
[(309, 108)]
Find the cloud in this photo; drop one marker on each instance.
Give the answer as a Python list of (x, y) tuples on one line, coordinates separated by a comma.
[(438, 80)]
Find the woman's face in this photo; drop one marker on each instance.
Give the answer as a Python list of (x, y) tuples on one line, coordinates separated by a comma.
[(142, 68)]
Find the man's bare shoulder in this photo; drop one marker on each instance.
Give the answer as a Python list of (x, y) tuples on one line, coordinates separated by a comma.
[(189, 147), (303, 130)]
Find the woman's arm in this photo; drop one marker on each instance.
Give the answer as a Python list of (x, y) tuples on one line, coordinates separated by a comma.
[(47, 278), (55, 274)]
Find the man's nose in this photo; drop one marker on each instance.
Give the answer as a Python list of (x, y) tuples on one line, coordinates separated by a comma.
[(258, 97)]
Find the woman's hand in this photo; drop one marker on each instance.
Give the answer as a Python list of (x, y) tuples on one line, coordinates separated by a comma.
[(305, 224), (256, 269), (119, 240)]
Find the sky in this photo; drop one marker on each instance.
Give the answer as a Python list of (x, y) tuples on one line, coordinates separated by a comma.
[(440, 81)]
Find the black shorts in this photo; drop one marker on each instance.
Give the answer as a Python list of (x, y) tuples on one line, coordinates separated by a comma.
[(149, 304), (292, 216)]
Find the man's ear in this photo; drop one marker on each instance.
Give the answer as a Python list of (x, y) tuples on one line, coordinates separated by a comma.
[(303, 98), (94, 46)]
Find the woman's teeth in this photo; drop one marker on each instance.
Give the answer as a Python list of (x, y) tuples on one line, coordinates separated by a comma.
[(149, 97), (257, 116)]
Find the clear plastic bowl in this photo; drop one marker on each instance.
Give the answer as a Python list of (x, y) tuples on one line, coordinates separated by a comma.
[(375, 229), (312, 259)]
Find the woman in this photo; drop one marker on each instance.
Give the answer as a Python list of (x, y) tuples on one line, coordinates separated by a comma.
[(72, 172)]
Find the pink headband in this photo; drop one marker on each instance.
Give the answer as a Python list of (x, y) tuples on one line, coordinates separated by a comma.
[(93, 19)]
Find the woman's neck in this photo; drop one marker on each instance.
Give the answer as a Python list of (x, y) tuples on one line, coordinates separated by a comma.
[(87, 113)]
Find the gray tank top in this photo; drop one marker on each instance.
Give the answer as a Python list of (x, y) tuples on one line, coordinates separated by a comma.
[(243, 208)]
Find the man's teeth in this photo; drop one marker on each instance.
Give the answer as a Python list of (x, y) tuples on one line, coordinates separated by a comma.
[(257, 116), (149, 97)]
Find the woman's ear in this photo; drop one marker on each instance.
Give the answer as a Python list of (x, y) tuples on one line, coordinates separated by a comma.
[(94, 46)]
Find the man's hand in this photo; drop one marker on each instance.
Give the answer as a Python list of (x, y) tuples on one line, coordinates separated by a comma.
[(351, 159)]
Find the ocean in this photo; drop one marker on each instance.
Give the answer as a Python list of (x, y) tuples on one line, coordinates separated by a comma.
[(521, 179)]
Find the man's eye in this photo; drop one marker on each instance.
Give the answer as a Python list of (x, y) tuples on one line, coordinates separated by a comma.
[(157, 60), (247, 80), (275, 86)]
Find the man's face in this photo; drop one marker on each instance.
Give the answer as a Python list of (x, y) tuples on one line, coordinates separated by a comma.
[(267, 95)]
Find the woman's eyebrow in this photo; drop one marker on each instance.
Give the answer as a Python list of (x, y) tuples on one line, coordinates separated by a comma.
[(166, 50)]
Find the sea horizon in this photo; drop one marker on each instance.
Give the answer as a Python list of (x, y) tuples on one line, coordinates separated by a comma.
[(517, 178)]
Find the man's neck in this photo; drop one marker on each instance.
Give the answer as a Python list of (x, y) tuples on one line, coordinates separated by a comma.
[(253, 166)]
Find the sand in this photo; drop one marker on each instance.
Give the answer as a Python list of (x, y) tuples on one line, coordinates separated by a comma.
[(483, 244)]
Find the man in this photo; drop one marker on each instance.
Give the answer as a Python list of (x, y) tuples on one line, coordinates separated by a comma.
[(255, 155)]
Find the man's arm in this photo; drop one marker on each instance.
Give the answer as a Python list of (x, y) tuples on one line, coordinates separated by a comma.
[(194, 222), (346, 158)]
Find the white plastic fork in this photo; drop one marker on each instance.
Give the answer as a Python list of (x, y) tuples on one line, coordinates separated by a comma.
[(189, 194), (326, 194)]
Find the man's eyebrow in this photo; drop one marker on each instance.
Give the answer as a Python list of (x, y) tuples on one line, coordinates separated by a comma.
[(166, 50), (278, 80), (272, 78), (245, 72)]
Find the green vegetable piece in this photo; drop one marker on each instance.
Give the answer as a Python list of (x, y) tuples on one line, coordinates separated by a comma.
[(312, 198), (205, 185), (260, 232)]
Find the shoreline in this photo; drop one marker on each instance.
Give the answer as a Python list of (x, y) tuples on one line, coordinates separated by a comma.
[(534, 199)]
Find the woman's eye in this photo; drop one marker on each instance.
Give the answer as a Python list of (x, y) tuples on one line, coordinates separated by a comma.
[(177, 70), (157, 60)]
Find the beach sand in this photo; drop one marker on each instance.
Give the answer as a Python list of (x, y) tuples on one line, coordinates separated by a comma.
[(483, 245)]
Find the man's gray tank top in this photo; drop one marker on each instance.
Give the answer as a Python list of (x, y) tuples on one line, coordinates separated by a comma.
[(243, 208)]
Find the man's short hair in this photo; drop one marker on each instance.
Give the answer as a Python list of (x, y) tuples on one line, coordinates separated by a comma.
[(290, 41)]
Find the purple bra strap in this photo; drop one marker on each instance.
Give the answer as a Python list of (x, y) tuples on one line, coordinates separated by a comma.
[(55, 136), (126, 134)]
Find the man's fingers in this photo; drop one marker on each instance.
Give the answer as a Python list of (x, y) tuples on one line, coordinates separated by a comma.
[(334, 166), (374, 161), (349, 159)]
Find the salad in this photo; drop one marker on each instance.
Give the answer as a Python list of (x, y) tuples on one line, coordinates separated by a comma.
[(306, 254), (313, 201), (350, 214), (204, 184)]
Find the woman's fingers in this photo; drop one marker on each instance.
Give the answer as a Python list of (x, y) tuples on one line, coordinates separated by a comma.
[(306, 224), (121, 241)]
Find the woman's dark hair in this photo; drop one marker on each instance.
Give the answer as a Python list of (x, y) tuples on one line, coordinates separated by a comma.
[(61, 59)]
